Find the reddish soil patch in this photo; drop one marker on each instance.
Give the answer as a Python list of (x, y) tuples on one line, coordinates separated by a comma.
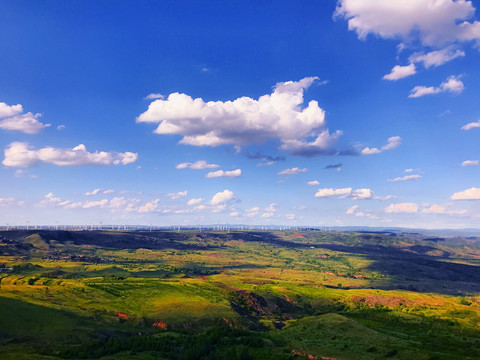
[(289, 300), (122, 315), (298, 235), (160, 324), (311, 357), (359, 276), (228, 322)]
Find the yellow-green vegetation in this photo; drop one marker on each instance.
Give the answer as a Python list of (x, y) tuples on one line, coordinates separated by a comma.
[(237, 295)]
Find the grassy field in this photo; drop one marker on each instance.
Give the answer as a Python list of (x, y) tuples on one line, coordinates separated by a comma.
[(237, 295)]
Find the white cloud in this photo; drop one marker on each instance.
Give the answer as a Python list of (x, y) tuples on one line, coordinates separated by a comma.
[(61, 127), (400, 72), (117, 204), (292, 171), (154, 96), (252, 212), (442, 210), (407, 208), (20, 154), (10, 110), (384, 198), (234, 213), (91, 204), (224, 197), (435, 209), (221, 173), (358, 194), (453, 84), (313, 183), (469, 194), (10, 201), (431, 22), (220, 202), (438, 57), (471, 125), (370, 151), (11, 118), (405, 178), (121, 204), (419, 91), (470, 163), (361, 194), (51, 200), (345, 192), (351, 210), (268, 163), (109, 191), (149, 207), (366, 214), (245, 120), (272, 208), (177, 195), (196, 201), (198, 165), (22, 173), (92, 193), (392, 143), (291, 216), (409, 170)]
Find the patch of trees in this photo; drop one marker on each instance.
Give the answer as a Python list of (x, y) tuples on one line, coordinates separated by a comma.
[(216, 343)]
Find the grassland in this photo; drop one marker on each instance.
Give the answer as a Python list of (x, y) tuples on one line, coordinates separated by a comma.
[(237, 295)]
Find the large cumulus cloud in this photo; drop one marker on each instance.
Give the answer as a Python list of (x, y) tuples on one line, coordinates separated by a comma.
[(279, 115)]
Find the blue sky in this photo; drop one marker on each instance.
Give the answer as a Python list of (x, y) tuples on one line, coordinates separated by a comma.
[(329, 113)]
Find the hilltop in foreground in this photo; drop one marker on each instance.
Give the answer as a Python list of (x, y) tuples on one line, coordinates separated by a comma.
[(238, 295)]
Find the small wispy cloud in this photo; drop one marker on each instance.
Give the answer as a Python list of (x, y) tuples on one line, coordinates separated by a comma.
[(177, 195), (198, 165), (453, 84), (154, 96), (392, 143), (406, 208), (292, 171), (92, 193), (405, 178), (471, 125), (222, 173), (400, 72), (470, 163)]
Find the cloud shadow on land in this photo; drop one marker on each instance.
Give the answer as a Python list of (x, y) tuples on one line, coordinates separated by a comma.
[(401, 262)]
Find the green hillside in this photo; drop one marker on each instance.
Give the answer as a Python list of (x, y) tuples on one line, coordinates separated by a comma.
[(237, 295)]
